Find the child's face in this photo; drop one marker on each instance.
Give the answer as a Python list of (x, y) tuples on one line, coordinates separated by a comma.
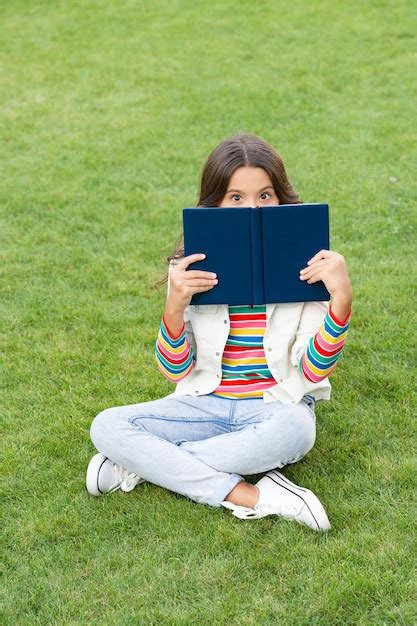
[(249, 187)]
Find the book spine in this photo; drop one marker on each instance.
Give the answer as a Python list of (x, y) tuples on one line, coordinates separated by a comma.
[(257, 256)]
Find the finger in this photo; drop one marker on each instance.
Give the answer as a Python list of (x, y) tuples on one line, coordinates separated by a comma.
[(311, 279), (201, 283), (199, 274), (187, 260), (322, 254), (315, 278), (319, 263), (201, 289), (313, 275)]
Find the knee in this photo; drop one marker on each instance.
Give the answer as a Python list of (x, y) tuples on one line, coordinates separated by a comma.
[(306, 435), (101, 427), (303, 427), (292, 437), (303, 431)]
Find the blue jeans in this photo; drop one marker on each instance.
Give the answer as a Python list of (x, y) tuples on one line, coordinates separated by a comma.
[(200, 446)]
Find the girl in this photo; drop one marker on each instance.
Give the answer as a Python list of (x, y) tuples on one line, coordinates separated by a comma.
[(247, 377)]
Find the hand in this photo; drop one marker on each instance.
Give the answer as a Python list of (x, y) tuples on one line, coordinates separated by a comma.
[(330, 267), (185, 283)]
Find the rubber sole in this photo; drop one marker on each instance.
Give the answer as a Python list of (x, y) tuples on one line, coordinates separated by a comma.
[(93, 472)]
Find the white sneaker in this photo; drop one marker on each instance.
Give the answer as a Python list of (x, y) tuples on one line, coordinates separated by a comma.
[(104, 476), (279, 496)]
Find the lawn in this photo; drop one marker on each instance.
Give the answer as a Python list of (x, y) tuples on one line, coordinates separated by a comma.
[(109, 110)]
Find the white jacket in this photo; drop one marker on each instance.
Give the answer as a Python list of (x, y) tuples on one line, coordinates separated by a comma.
[(288, 330)]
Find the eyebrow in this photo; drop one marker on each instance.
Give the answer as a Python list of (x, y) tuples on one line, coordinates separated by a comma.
[(260, 191)]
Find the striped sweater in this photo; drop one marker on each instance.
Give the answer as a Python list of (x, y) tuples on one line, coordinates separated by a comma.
[(245, 372)]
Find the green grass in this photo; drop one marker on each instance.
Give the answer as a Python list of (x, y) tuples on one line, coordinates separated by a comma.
[(109, 111)]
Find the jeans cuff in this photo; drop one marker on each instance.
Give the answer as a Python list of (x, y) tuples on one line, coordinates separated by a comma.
[(235, 479)]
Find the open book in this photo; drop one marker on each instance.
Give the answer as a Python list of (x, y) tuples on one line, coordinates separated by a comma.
[(257, 253)]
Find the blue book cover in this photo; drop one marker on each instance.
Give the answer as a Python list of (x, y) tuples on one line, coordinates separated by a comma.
[(257, 253)]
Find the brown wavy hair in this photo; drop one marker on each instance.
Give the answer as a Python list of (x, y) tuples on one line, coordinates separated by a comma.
[(238, 151)]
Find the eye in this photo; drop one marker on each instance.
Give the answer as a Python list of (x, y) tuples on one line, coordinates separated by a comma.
[(235, 197), (265, 195)]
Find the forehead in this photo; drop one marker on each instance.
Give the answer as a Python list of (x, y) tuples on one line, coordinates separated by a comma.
[(249, 179)]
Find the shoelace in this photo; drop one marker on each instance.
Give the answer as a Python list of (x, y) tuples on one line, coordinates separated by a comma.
[(260, 510), (129, 482), (123, 478)]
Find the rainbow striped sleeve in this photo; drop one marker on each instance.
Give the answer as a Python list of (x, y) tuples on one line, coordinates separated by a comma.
[(325, 348), (174, 355)]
